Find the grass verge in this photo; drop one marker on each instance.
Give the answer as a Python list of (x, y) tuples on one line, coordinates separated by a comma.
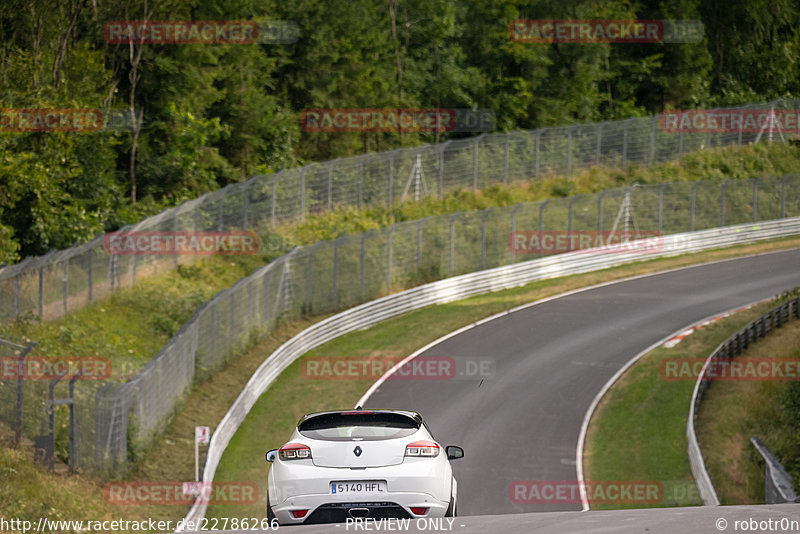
[(733, 412), (638, 431)]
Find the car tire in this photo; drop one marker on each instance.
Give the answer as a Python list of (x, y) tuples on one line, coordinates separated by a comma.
[(451, 510), (270, 514)]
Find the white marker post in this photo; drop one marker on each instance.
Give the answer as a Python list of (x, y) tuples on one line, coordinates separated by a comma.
[(201, 435)]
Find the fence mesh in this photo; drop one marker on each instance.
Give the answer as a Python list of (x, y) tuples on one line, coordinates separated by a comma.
[(117, 421), (63, 281)]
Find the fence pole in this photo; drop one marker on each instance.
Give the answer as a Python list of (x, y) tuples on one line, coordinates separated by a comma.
[(419, 242), (89, 273), (755, 198), (512, 238), (362, 262), (600, 210), (360, 180), (309, 277), (783, 196), (538, 134), (16, 296), (484, 215), (330, 185), (541, 225), (505, 160), (245, 205), (569, 222), (65, 283), (389, 258), (441, 169), (303, 193), (21, 392), (599, 140), (722, 202), (220, 214), (653, 139), (41, 291), (452, 241), (691, 216), (661, 208), (475, 163), (175, 227), (336, 272), (680, 144), (569, 152), (272, 208), (625, 143), (389, 182)]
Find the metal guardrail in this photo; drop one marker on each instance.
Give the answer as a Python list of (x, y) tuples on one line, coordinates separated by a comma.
[(455, 288), (777, 482), (727, 350), (62, 281)]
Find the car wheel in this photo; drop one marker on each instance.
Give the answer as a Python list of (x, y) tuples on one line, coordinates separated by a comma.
[(270, 514)]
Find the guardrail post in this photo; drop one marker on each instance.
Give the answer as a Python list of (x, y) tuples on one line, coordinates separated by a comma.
[(541, 225), (512, 240), (722, 202)]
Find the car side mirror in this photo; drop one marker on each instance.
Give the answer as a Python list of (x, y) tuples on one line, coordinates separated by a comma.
[(454, 452), (271, 455)]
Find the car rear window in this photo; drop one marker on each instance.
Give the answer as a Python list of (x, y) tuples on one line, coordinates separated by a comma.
[(369, 427)]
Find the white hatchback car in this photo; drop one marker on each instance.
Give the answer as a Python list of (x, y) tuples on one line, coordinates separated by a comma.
[(361, 464)]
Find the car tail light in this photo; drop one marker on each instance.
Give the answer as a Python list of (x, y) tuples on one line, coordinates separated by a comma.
[(294, 451), (419, 510), (424, 448), (297, 514)]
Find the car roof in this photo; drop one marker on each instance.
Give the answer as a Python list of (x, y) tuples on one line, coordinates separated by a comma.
[(416, 416)]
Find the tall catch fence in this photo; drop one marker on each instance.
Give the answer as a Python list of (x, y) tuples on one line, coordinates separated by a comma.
[(117, 420), (63, 281)]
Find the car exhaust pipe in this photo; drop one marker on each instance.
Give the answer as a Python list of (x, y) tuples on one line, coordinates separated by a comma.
[(356, 513)]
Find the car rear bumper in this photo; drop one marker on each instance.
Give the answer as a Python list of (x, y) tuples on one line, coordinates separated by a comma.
[(325, 508)]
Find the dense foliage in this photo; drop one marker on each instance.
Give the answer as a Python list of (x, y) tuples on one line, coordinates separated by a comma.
[(215, 114)]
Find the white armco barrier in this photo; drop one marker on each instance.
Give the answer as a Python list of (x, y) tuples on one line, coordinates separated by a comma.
[(460, 287)]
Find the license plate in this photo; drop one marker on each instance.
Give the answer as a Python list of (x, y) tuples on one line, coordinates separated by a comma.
[(358, 486)]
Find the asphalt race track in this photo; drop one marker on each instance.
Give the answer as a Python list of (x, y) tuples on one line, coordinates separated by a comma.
[(551, 359)]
